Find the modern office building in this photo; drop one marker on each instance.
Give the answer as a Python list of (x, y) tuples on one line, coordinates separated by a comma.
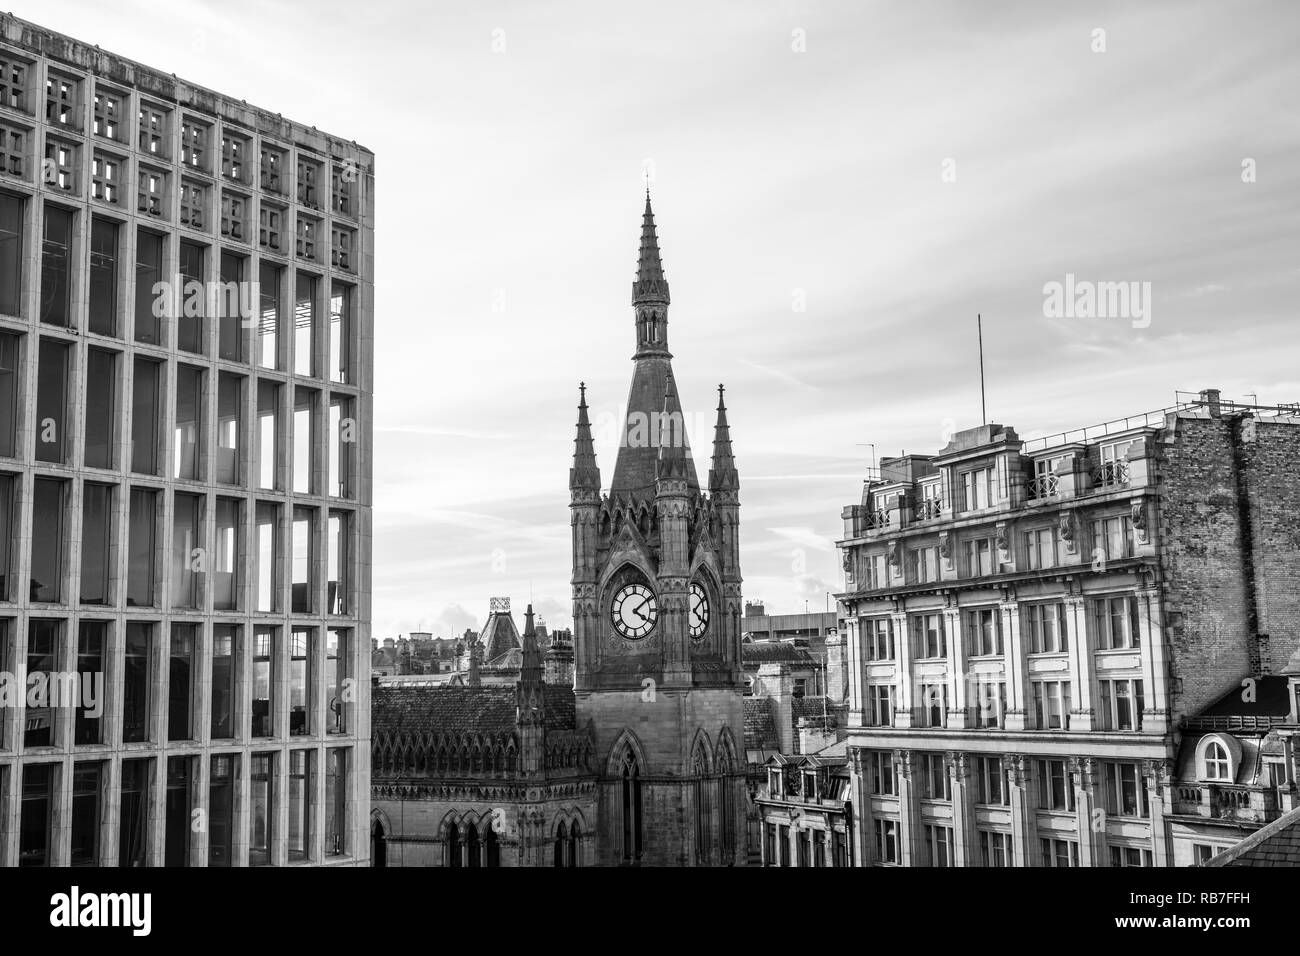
[(185, 471), (1077, 650)]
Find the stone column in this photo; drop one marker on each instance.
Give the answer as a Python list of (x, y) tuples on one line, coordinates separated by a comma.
[(903, 651), (955, 718), (1016, 669), (1091, 817), (1081, 666), (964, 795), (1024, 806), (909, 807), (1154, 662)]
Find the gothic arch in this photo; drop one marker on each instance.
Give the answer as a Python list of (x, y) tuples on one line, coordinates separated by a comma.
[(700, 756), (635, 561), (626, 742), (725, 752)]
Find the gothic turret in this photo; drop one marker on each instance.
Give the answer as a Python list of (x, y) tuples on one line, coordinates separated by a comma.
[(585, 474), (722, 474)]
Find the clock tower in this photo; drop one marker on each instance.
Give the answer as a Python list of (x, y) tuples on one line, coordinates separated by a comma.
[(656, 615)]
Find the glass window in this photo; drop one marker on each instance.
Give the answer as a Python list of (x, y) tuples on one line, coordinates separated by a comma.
[(236, 307), (146, 417), (336, 795), (180, 677), (304, 535), (85, 814), (1216, 762), (178, 820), (149, 286), (263, 712), (342, 441), (193, 299), (97, 515), (135, 688), (8, 394), (132, 830), (336, 679), (189, 558), (7, 543), (299, 806), (268, 434), (56, 274), (11, 254), (268, 557), (91, 641), (42, 658), (341, 334), (299, 698), (101, 408), (269, 281), (52, 402), (304, 440), (37, 815), (261, 812), (225, 563), (224, 639), (304, 326), (47, 546), (189, 422), (230, 405), (221, 809), (337, 570), (140, 576)]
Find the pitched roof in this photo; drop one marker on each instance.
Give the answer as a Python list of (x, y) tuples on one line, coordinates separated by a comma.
[(760, 725), (1272, 699), (1277, 844), (768, 652), (486, 709), (499, 635)]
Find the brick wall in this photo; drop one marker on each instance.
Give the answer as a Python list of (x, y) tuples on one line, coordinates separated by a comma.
[(1229, 545)]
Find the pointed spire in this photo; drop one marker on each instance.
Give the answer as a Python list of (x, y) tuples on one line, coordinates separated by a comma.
[(585, 474), (722, 473), (671, 437), (532, 654), (650, 284)]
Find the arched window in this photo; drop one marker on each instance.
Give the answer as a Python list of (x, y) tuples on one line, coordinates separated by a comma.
[(378, 845), (631, 808), (703, 809), (1216, 762), (453, 845), (726, 807), (574, 835), (471, 845), (561, 838), (492, 847)]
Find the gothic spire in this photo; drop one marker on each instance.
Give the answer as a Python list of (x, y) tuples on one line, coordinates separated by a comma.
[(585, 474), (722, 473), (530, 668), (671, 437), (650, 285)]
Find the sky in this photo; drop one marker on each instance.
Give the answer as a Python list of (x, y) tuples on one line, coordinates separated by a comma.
[(839, 188)]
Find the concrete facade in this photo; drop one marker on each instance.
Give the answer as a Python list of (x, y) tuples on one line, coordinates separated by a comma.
[(185, 465)]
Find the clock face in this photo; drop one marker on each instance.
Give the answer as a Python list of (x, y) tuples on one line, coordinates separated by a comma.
[(634, 611), (699, 614)]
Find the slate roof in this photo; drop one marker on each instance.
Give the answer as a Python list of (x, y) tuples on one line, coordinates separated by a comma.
[(1272, 699), (769, 652), (760, 725), (1277, 844), (487, 709), (499, 635)]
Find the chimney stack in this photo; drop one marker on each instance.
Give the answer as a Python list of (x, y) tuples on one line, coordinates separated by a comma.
[(1210, 399)]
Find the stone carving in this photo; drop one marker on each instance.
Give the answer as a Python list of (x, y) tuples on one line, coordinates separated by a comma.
[(1065, 528), (1138, 515)]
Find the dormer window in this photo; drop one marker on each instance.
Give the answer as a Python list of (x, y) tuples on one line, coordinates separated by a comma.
[(1217, 756), (977, 489), (810, 786), (1216, 762), (774, 783)]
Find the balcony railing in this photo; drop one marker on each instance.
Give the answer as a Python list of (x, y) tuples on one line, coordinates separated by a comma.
[(878, 518), (1044, 486), (1227, 802), (1111, 474), (928, 509), (1234, 722)]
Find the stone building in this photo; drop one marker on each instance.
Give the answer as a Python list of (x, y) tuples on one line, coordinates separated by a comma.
[(482, 774), (804, 809), (1036, 630), (639, 761), (186, 302)]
